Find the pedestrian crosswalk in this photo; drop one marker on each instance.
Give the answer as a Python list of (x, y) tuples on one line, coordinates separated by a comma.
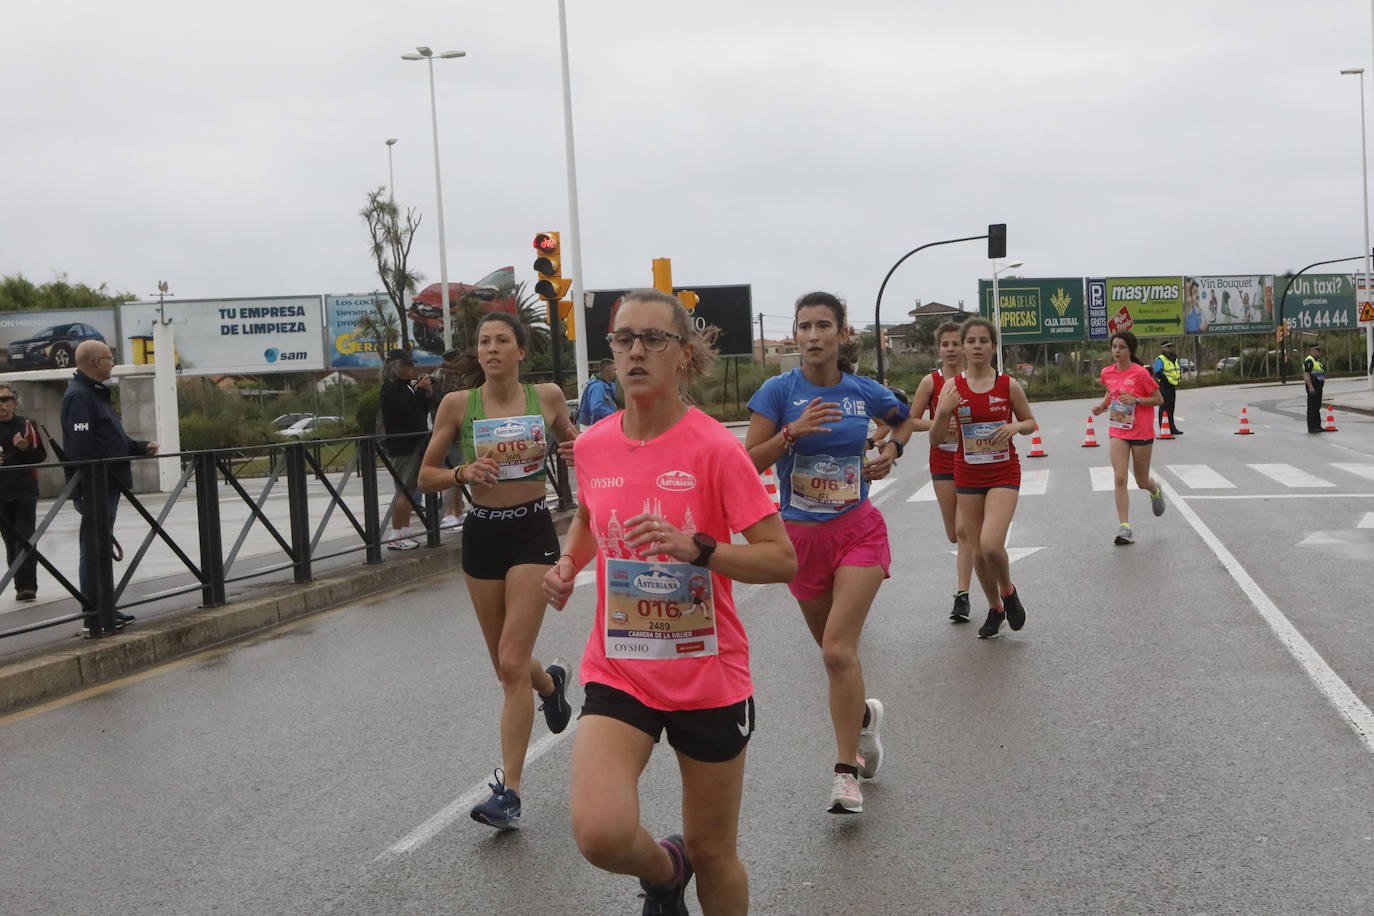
[(1349, 478)]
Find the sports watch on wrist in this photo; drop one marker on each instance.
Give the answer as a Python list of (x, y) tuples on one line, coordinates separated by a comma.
[(707, 545)]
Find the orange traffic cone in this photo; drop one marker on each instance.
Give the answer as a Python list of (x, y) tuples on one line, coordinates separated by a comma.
[(1090, 439), (1037, 447), (1165, 432), (1245, 429), (770, 484), (1330, 426)]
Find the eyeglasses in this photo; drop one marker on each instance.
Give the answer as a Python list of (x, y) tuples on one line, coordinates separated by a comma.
[(654, 340), (101, 359), (7, 398)]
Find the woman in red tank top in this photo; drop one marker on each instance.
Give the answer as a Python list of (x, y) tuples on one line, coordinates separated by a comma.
[(944, 454), (990, 408)]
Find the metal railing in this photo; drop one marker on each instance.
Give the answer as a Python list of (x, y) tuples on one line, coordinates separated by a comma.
[(90, 485)]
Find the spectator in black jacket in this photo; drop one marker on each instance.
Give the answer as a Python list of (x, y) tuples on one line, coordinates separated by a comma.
[(405, 409), (19, 444), (92, 429)]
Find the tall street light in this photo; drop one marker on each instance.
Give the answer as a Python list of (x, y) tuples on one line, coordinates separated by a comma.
[(1364, 178), (390, 172), (425, 54), (997, 306)]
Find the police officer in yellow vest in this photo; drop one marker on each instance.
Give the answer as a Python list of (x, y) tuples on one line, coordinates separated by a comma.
[(1314, 374), (1168, 375)]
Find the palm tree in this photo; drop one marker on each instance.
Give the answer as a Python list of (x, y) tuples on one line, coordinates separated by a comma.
[(391, 241), (378, 326)]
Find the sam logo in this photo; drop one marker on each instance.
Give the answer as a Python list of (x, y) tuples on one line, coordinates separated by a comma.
[(272, 354), (828, 468), (676, 481), (657, 582), (509, 430)]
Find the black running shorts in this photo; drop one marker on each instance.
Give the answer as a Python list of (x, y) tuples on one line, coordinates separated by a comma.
[(495, 538), (709, 735)]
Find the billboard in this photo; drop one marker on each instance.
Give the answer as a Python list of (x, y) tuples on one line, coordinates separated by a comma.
[(48, 340), (352, 342), (1241, 304), (1316, 302), (1145, 306), (729, 308), (1037, 310), (233, 336)]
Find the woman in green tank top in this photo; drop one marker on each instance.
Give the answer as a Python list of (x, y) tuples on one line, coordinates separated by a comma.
[(508, 538)]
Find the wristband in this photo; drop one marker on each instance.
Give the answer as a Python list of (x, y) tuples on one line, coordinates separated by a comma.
[(901, 448), (788, 440), (458, 474)]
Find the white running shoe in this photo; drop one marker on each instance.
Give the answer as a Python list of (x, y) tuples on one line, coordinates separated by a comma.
[(845, 797), (870, 744), (402, 544), (450, 521)]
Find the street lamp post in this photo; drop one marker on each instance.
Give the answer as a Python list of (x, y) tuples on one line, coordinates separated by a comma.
[(390, 172), (997, 307), (425, 54)]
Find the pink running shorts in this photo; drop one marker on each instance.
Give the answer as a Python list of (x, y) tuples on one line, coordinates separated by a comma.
[(857, 538)]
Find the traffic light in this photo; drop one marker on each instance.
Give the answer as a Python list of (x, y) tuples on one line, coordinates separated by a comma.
[(552, 285), (565, 312), (997, 240), (688, 299)]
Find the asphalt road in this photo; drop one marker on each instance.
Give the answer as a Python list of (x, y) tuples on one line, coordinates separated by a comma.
[(1182, 727)]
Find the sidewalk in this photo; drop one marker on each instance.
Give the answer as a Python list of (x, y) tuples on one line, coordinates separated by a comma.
[(53, 662), (1359, 400)]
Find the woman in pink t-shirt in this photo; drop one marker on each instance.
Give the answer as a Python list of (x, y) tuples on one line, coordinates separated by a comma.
[(661, 488), (1130, 430)]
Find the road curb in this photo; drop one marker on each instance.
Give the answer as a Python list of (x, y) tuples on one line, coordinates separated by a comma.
[(54, 673)]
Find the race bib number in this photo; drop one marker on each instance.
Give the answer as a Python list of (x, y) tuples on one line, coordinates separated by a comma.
[(824, 484), (1121, 416), (658, 610), (979, 447), (517, 444)]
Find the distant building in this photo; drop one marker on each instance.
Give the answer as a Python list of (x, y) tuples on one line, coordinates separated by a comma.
[(772, 351)]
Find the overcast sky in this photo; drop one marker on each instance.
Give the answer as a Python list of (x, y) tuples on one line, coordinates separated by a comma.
[(789, 145)]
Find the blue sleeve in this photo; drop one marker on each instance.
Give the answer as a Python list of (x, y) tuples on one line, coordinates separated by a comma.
[(1158, 365), (768, 400), (882, 403)]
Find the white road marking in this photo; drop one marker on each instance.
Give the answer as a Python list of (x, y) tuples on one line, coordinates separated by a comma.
[(1290, 476), (1199, 477), (1034, 483), (1193, 497), (459, 807), (1103, 478), (877, 486), (924, 495), (1367, 521), (1361, 470), (1336, 691)]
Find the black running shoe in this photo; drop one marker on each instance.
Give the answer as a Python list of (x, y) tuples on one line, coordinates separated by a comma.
[(669, 900), (960, 612), (990, 626), (557, 712), (1016, 614), (502, 810)]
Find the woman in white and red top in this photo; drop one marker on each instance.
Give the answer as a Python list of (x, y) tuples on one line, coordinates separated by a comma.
[(944, 453), (661, 487), (990, 408), (1130, 430)]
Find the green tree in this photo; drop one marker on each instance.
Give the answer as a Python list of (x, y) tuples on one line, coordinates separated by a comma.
[(18, 294), (391, 240)]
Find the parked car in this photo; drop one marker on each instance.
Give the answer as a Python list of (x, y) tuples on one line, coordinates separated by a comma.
[(1187, 369), (1228, 362), (51, 348), (312, 428), (287, 419)]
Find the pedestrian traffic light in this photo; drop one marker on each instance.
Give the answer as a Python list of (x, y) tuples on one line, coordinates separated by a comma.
[(552, 285), (997, 240)]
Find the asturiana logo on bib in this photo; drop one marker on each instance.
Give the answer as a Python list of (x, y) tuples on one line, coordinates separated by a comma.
[(657, 582), (509, 430), (676, 480), (826, 467)]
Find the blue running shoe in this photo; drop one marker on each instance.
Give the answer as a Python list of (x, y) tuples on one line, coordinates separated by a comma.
[(671, 899), (557, 712), (502, 810)]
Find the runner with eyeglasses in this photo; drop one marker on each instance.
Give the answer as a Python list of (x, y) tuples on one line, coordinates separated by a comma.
[(661, 487), (508, 538), (812, 423), (990, 408)]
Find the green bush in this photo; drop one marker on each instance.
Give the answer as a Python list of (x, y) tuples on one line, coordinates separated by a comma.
[(369, 404), (199, 431)]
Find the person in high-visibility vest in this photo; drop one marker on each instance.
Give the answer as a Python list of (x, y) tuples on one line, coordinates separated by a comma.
[(1314, 374), (1167, 373)]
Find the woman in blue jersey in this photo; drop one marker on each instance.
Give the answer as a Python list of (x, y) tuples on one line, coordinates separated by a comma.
[(812, 423), (509, 540)]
